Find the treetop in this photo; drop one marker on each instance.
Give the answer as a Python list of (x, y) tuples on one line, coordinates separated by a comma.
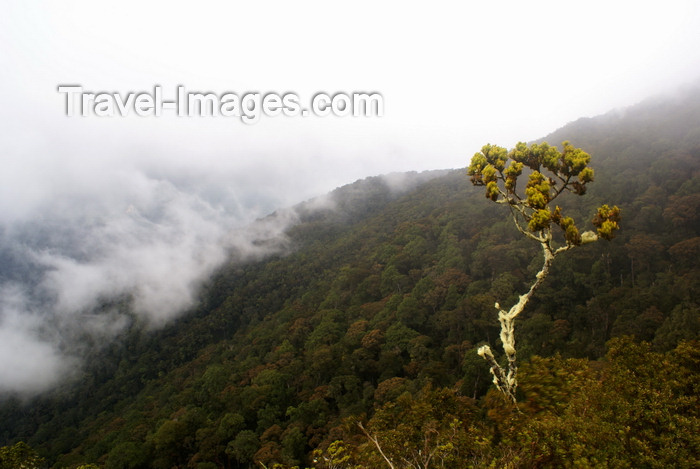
[(551, 172)]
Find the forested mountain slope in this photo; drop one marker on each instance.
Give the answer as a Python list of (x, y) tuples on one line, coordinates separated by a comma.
[(374, 315)]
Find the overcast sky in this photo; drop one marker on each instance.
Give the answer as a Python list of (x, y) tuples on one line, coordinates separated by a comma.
[(100, 206)]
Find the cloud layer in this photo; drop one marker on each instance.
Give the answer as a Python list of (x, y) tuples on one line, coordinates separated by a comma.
[(77, 257)]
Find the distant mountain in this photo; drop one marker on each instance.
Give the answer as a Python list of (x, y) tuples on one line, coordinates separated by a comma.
[(375, 308), (673, 118)]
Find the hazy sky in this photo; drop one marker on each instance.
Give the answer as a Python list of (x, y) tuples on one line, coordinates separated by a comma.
[(146, 205)]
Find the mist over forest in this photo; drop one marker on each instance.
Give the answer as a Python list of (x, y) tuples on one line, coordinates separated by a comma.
[(84, 269)]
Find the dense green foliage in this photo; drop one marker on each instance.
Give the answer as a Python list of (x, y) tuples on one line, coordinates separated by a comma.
[(375, 316)]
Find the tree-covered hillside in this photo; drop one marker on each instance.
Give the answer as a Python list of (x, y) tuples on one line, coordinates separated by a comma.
[(363, 334)]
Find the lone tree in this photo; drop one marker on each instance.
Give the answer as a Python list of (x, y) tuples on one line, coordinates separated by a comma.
[(551, 172)]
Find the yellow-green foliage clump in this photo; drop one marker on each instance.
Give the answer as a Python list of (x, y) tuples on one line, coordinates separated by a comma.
[(551, 172)]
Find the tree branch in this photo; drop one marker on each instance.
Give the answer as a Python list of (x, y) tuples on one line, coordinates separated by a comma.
[(520, 228), (506, 381), (564, 187), (376, 443)]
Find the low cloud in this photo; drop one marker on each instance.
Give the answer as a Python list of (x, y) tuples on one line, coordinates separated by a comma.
[(29, 362), (136, 245), (74, 261)]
